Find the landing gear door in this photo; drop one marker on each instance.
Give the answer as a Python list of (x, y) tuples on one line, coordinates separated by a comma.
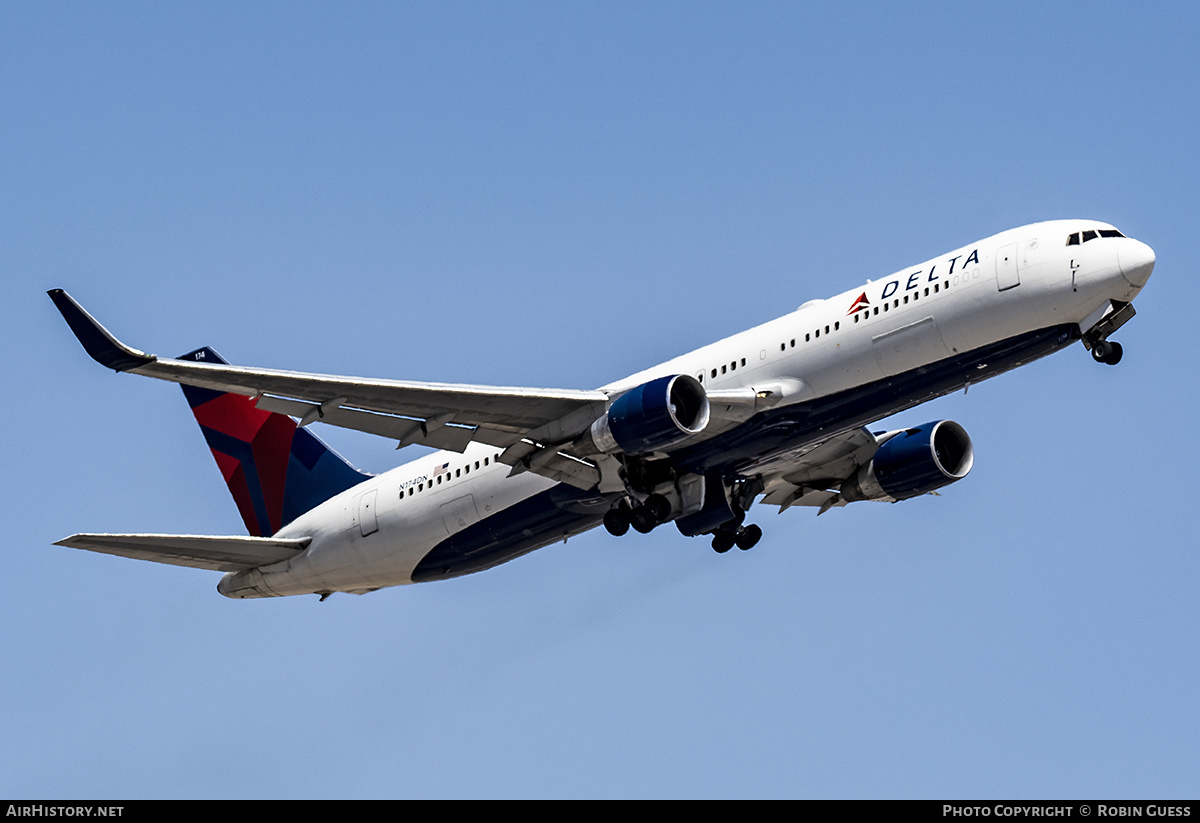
[(1007, 275)]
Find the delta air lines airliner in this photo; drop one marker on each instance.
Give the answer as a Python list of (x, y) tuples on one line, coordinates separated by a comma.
[(775, 415)]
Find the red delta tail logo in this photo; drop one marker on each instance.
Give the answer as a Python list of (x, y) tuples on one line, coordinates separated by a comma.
[(275, 470), (861, 302)]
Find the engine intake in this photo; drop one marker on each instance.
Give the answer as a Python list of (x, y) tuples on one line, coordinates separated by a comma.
[(914, 462), (653, 416)]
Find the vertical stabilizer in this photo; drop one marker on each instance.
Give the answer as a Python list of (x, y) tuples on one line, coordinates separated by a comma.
[(275, 470)]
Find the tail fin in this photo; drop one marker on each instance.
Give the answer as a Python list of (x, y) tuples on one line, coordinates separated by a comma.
[(275, 470)]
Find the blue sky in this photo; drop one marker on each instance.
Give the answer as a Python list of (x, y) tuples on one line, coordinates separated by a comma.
[(559, 194)]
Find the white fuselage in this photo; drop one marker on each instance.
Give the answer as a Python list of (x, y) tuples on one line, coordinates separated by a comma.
[(1001, 287)]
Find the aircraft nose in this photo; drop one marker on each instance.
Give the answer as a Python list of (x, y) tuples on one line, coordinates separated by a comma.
[(1137, 261)]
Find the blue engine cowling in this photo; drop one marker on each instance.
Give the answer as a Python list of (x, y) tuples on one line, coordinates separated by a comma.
[(653, 416), (914, 462)]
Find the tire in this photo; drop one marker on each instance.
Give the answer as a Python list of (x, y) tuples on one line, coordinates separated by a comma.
[(659, 506), (643, 520), (722, 542), (616, 522), (749, 537)]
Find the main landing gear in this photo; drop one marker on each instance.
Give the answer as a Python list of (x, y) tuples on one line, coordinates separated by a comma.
[(744, 537), (1107, 352), (643, 517), (656, 510)]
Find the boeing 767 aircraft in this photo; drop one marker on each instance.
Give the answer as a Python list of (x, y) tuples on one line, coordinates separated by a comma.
[(775, 414)]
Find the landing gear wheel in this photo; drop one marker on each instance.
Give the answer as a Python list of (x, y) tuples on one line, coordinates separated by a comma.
[(643, 520), (616, 520), (658, 506), (1107, 352), (722, 542), (748, 537)]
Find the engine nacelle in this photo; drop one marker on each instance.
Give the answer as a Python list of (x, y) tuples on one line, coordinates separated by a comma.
[(653, 416), (913, 462)]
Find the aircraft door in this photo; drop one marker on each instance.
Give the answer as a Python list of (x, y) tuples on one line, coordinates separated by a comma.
[(368, 522), (1007, 275)]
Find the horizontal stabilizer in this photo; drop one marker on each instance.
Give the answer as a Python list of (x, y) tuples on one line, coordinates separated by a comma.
[(219, 553)]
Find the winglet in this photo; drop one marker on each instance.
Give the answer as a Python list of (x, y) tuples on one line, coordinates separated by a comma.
[(97, 341)]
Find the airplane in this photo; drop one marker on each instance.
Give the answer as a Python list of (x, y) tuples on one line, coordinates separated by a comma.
[(777, 414)]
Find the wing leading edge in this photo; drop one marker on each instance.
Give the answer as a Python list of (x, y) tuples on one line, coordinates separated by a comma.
[(441, 415)]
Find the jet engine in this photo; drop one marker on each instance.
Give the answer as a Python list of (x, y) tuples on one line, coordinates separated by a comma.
[(912, 462), (652, 416)]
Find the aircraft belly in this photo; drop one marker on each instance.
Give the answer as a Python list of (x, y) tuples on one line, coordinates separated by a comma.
[(781, 430), (546, 517)]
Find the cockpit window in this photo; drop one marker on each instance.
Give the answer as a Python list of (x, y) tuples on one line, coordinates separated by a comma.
[(1091, 234)]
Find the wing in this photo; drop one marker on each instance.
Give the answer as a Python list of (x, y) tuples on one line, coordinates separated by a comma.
[(815, 477), (858, 465), (223, 554), (447, 416)]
